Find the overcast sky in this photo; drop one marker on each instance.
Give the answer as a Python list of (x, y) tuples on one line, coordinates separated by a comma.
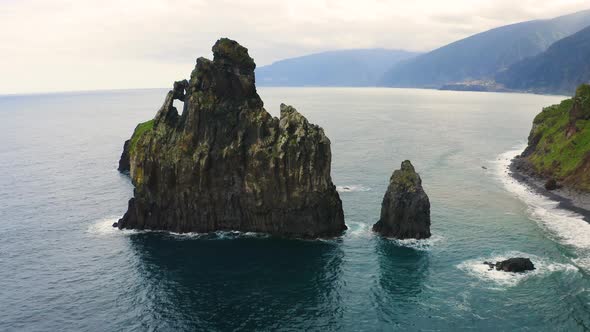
[(59, 45)]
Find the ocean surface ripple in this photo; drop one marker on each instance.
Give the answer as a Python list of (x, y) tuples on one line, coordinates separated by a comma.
[(63, 267)]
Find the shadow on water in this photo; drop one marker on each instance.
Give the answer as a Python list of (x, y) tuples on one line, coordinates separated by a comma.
[(402, 275), (243, 283)]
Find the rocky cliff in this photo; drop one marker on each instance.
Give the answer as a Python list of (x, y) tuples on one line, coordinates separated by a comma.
[(559, 144), (405, 211), (224, 163)]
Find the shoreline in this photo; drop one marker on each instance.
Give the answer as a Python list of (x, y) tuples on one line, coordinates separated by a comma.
[(567, 198), (20, 94)]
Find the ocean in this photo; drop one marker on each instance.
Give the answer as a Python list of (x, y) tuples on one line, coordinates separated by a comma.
[(64, 268)]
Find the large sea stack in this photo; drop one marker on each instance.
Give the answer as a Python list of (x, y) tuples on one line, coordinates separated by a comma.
[(405, 211), (225, 163)]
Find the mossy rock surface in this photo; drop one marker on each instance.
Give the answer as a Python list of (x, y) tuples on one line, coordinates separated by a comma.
[(139, 132), (559, 142), (405, 210), (224, 163)]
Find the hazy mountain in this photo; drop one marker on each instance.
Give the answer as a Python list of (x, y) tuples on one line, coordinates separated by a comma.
[(362, 67), (481, 56), (560, 69)]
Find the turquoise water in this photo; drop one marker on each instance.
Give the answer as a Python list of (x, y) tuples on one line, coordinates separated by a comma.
[(62, 267)]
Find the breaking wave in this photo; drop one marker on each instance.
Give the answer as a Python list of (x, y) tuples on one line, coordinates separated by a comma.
[(564, 226), (423, 245), (500, 279), (352, 188)]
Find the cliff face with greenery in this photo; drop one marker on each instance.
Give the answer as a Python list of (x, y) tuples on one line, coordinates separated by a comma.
[(560, 69), (559, 142), (225, 163)]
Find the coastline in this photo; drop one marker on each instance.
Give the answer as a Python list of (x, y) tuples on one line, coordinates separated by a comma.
[(567, 198)]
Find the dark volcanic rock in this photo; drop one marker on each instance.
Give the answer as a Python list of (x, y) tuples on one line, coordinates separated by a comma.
[(225, 163), (551, 184), (517, 264), (124, 160), (405, 211)]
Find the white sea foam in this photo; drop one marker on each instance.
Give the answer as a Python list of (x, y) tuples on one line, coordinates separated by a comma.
[(423, 244), (105, 227), (352, 188), (364, 230), (564, 226), (219, 235), (358, 229), (501, 280)]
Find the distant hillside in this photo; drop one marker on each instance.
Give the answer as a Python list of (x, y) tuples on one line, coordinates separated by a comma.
[(560, 69), (362, 67), (481, 56)]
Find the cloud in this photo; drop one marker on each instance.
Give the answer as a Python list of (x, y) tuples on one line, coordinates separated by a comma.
[(50, 45)]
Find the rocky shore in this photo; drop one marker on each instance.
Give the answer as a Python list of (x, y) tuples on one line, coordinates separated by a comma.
[(556, 161), (567, 198)]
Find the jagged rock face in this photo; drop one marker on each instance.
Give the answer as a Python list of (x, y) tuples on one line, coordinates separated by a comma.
[(227, 164), (124, 160), (405, 211)]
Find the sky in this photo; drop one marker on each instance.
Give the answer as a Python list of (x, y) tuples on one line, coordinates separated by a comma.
[(72, 45)]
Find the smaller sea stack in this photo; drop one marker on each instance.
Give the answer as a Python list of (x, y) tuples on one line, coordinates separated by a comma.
[(516, 264), (405, 211)]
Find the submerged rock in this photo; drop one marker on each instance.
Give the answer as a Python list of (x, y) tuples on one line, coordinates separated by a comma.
[(551, 184), (517, 264), (405, 211), (225, 163)]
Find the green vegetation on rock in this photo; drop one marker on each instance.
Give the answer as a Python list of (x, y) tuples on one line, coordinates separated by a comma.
[(225, 163), (141, 129), (559, 142), (405, 210), (406, 177)]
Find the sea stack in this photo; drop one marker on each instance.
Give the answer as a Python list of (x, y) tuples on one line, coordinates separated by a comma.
[(225, 163), (405, 211)]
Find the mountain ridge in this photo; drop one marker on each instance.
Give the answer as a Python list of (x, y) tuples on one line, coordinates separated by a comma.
[(482, 55), (560, 69), (349, 67)]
